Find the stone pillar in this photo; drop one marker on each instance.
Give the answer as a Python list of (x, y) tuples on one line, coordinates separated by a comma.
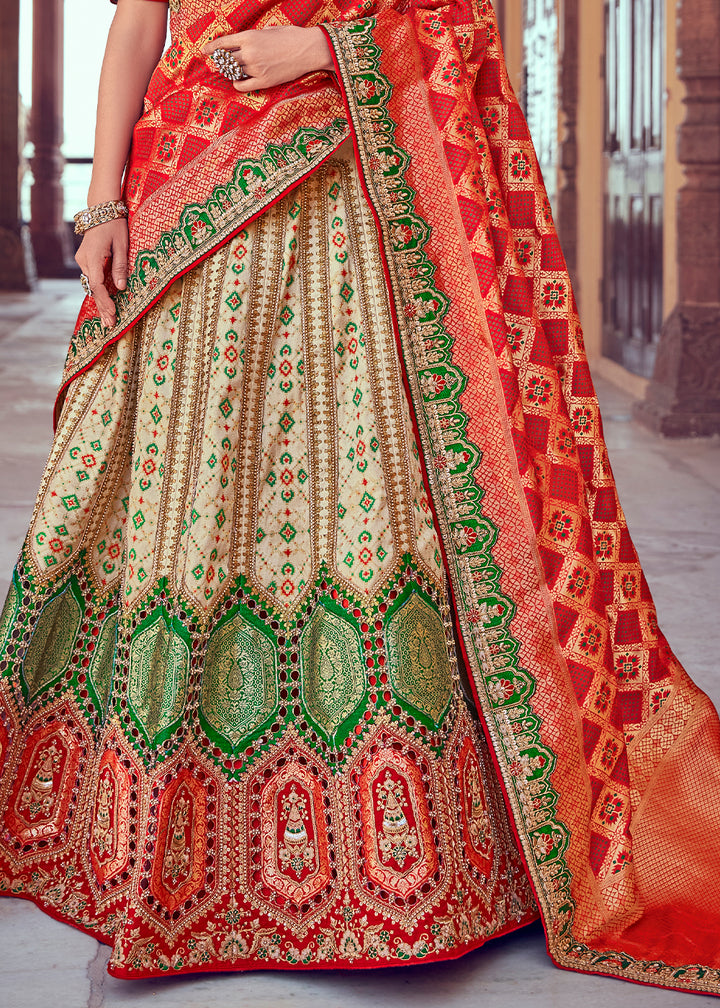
[(568, 87), (50, 234), (17, 266), (683, 398)]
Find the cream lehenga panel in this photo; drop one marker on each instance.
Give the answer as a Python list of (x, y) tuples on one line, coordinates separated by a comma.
[(269, 370)]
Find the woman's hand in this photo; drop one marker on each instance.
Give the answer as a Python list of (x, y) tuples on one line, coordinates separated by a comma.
[(134, 46), (275, 55), (99, 244)]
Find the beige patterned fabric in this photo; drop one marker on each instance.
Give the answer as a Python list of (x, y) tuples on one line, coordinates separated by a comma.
[(269, 362)]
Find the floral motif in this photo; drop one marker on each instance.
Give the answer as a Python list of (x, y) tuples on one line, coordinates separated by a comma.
[(496, 203), (560, 526), (464, 537), (526, 765), (554, 294), (604, 544), (207, 111), (515, 337), (166, 146), (433, 384), (464, 126), (659, 698), (627, 667), (582, 418), (609, 755), (501, 689), (621, 861), (524, 250), (366, 89), (491, 121), (603, 696), (611, 808), (520, 167), (579, 582), (539, 391), (435, 25), (591, 638), (174, 55), (544, 844), (452, 72), (565, 442)]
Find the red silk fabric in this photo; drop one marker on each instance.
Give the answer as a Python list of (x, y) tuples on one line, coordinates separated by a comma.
[(609, 755)]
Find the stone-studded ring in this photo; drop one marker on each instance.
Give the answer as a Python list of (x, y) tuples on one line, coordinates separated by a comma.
[(228, 65)]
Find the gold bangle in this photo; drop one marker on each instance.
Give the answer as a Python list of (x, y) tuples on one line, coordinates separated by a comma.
[(101, 213)]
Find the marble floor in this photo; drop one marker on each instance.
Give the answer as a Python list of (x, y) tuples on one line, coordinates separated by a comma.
[(671, 493)]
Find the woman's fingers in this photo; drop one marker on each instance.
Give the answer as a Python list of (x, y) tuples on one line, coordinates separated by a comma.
[(120, 261), (105, 304), (230, 42), (99, 245), (246, 86)]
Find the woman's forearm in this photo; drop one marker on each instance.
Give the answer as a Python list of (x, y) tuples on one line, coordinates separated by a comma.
[(135, 44)]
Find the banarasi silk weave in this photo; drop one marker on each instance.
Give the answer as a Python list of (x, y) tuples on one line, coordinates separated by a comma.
[(328, 645)]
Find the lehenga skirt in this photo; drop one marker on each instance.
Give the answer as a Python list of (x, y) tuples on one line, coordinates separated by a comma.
[(234, 733)]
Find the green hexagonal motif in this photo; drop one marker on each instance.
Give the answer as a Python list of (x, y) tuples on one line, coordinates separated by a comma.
[(9, 613), (158, 679), (100, 672), (333, 673), (419, 660), (51, 645), (239, 684)]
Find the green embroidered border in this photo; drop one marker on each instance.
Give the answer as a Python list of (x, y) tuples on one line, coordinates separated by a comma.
[(255, 184), (485, 612), (99, 667)]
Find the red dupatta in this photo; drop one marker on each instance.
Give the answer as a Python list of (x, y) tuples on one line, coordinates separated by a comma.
[(608, 754)]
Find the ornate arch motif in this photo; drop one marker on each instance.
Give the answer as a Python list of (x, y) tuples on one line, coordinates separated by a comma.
[(109, 839), (179, 867), (474, 813), (292, 835), (398, 839), (46, 783)]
